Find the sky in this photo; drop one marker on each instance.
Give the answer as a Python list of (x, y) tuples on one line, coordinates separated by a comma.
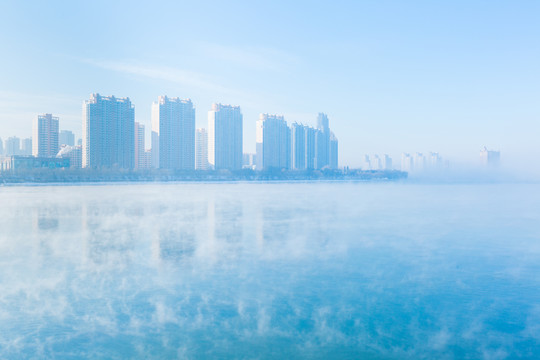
[(393, 76)]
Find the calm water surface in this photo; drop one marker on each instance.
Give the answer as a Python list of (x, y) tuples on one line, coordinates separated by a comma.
[(267, 271)]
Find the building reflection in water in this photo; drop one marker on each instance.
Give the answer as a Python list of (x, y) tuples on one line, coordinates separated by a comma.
[(109, 233), (176, 231)]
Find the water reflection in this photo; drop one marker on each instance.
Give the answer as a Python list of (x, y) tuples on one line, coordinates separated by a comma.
[(273, 270)]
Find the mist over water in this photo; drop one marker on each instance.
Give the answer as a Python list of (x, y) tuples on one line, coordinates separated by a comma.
[(277, 270)]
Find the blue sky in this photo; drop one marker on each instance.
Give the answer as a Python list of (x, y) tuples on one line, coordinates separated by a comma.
[(393, 76)]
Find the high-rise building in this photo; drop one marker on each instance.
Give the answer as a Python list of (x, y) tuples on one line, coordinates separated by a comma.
[(365, 162), (386, 162), (1, 147), (298, 146), (311, 143), (26, 147), (139, 146), (434, 161), (108, 132), (173, 133), (66, 137), (406, 162), (201, 149), (333, 151), (375, 162), (419, 162), (12, 146), (273, 142), (147, 164), (45, 136), (225, 131), (490, 158), (322, 140)]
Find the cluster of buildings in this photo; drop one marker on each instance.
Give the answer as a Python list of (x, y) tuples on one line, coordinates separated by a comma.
[(490, 158), (112, 139), (419, 162)]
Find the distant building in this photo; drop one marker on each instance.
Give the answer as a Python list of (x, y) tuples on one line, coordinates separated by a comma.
[(375, 162), (139, 145), (1, 147), (333, 151), (225, 142), (419, 162), (147, 160), (386, 162), (365, 163), (12, 146), (73, 153), (249, 161), (66, 137), (322, 142), (26, 147), (298, 146), (108, 132), (201, 149), (490, 158), (435, 161), (273, 142), (173, 133), (45, 136), (311, 144), (406, 162), (19, 162)]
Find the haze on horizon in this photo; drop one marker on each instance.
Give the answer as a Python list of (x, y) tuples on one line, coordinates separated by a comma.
[(392, 76)]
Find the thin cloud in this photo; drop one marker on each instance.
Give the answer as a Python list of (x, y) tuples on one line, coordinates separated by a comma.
[(175, 75)]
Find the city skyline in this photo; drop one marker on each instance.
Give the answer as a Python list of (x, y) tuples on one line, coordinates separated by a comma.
[(395, 77), (184, 143)]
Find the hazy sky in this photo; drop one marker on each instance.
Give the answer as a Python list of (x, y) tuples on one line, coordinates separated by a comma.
[(393, 76)]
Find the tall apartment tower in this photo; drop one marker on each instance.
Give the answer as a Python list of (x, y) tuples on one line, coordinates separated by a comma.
[(333, 151), (322, 142), (26, 146), (273, 142), (12, 146), (66, 137), (140, 157), (406, 162), (108, 132), (45, 136), (173, 133), (298, 146), (225, 131), (1, 147), (490, 158), (201, 149)]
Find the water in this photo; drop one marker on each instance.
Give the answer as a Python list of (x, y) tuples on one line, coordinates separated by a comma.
[(264, 271)]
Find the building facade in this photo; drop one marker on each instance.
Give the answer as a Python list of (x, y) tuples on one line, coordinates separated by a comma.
[(225, 137), (45, 136), (490, 158), (322, 139), (108, 132), (12, 146), (139, 146), (26, 146), (298, 146), (173, 133), (73, 153), (66, 137), (201, 149), (273, 142)]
